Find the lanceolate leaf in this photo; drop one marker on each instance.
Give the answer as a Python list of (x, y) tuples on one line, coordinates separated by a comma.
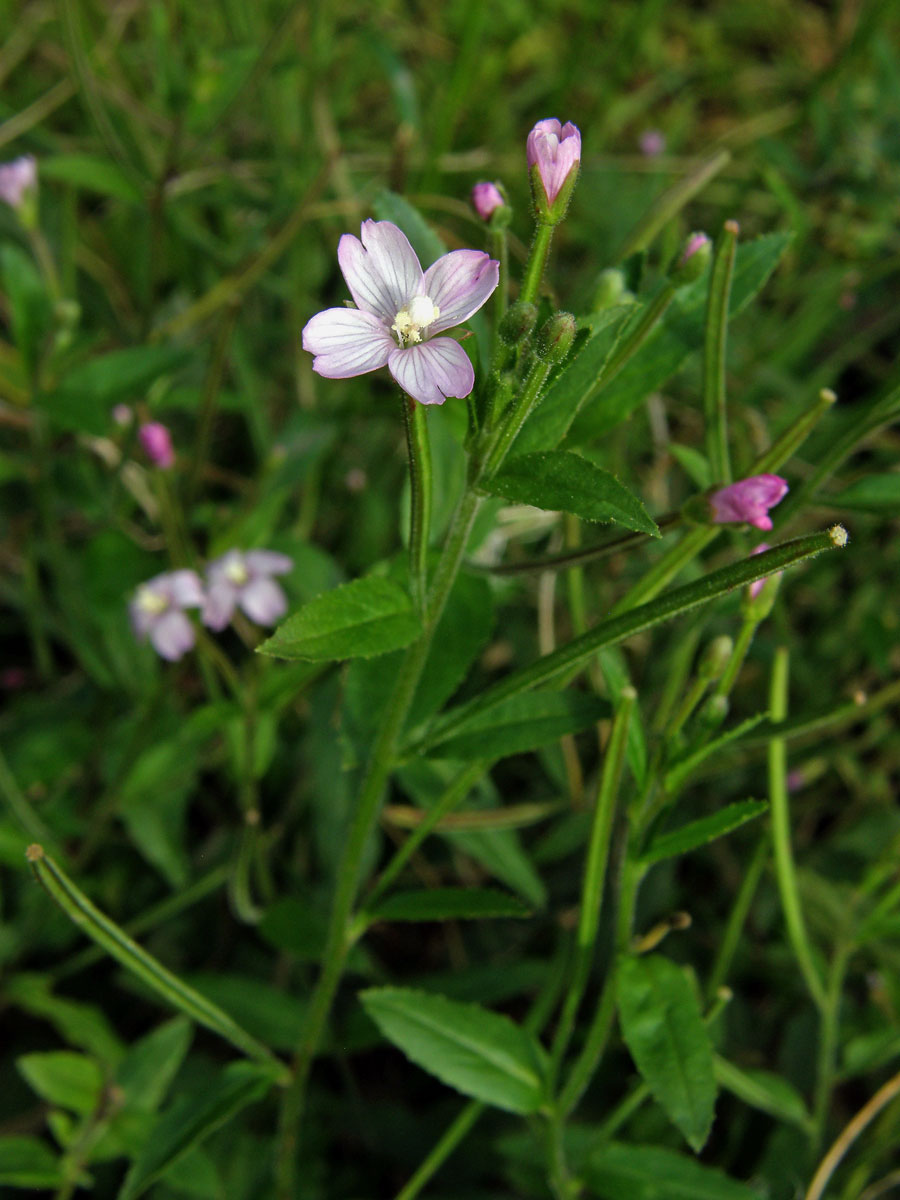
[(357, 620), (559, 480), (478, 1052), (447, 904), (697, 833), (191, 1118), (522, 723), (663, 1028), (763, 1090), (28, 1162), (620, 1172)]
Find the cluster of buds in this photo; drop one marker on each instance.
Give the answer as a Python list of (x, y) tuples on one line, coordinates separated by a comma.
[(239, 579)]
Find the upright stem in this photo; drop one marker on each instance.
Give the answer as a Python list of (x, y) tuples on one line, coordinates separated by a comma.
[(781, 835), (537, 262), (419, 449), (499, 242), (735, 926), (714, 398), (517, 417), (381, 762)]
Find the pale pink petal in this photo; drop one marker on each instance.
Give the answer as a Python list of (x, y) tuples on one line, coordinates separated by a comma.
[(458, 284), (221, 598), (185, 588), (555, 149), (263, 601), (347, 342), (433, 371), (382, 271), (172, 635), (268, 562), (141, 619)]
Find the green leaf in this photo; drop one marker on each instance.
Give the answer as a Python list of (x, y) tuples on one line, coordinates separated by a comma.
[(27, 1162), (29, 306), (879, 494), (521, 723), (549, 423), (684, 767), (82, 399), (480, 1053), (193, 1117), (559, 480), (357, 620), (93, 174), (706, 829), (428, 246), (447, 904), (72, 1081), (763, 1090), (259, 1007), (678, 334), (620, 1172), (79, 1024), (664, 1031), (146, 1072)]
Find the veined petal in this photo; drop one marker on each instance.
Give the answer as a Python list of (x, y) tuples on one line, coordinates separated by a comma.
[(459, 283), (433, 371), (263, 601), (172, 635), (268, 562), (347, 342), (382, 271), (185, 588)]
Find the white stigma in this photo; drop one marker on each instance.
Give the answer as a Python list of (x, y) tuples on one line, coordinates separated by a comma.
[(152, 603), (236, 573), (410, 321)]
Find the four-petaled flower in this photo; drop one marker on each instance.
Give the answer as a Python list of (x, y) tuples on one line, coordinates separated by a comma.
[(555, 150), (244, 579), (157, 612), (399, 312), (748, 500), (17, 179)]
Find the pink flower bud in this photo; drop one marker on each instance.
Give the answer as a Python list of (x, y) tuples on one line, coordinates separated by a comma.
[(748, 501), (122, 415), (695, 242), (17, 179), (652, 143), (555, 150), (157, 443), (486, 199)]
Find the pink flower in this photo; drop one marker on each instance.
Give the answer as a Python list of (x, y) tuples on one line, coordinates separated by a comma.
[(157, 443), (486, 198), (17, 179), (244, 579), (399, 310), (748, 500), (556, 152), (652, 143), (157, 612)]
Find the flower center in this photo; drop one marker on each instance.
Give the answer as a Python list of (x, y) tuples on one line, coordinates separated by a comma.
[(410, 321), (237, 574), (152, 603)]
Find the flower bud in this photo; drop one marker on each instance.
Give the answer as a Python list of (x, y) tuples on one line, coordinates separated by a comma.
[(18, 187), (692, 261), (518, 322), (122, 415), (611, 289), (157, 444), (747, 501), (713, 712), (652, 143), (716, 657), (486, 199), (554, 154), (556, 337)]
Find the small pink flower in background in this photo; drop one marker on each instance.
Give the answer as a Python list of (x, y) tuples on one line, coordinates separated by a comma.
[(157, 612), (122, 415), (399, 310), (556, 151), (157, 443), (486, 199), (748, 501), (758, 584), (17, 179), (652, 143), (244, 579)]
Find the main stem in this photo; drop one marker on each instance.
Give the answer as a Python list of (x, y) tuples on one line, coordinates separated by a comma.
[(420, 496), (381, 762)]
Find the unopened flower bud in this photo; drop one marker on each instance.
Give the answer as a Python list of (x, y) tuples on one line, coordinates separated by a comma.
[(556, 337), (554, 154), (652, 143), (714, 712), (486, 199), (715, 658), (122, 415), (157, 444), (693, 259), (747, 501), (18, 187), (611, 289), (518, 322)]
